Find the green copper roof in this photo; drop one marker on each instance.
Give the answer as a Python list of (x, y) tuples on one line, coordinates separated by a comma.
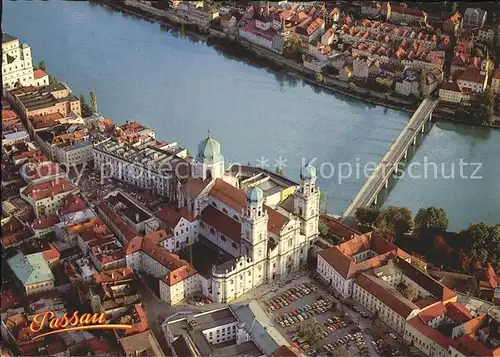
[(254, 196), (209, 151), (308, 172), (30, 269)]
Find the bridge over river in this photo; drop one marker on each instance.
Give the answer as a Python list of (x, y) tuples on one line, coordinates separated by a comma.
[(397, 152)]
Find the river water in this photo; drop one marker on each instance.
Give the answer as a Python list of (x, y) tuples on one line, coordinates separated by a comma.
[(181, 87)]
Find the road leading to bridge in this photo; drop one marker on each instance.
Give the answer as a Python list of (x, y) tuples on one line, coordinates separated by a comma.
[(368, 193)]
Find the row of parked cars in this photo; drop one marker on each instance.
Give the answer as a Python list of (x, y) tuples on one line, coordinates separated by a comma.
[(303, 313), (331, 325), (381, 347), (290, 295), (328, 348)]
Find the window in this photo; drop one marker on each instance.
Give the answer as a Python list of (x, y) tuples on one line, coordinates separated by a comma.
[(224, 210), (223, 238), (290, 242), (212, 231)]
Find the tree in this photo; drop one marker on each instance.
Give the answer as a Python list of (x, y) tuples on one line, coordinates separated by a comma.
[(394, 221), (486, 101), (319, 77), (367, 216), (431, 219), (323, 229), (323, 201), (311, 331), (293, 44), (482, 242), (93, 101), (410, 291), (41, 66), (82, 99)]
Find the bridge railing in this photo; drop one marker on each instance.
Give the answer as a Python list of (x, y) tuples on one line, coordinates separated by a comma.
[(420, 114)]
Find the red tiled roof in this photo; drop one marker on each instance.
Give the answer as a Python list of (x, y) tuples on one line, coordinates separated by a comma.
[(186, 214), (159, 235), (46, 117), (450, 86), (470, 346), (179, 274), (229, 195), (276, 221), (222, 223), (8, 114), (51, 254), (38, 73), (339, 229), (471, 74), (286, 351), (45, 223), (458, 313), (432, 313), (430, 332), (13, 225), (134, 245), (108, 276), (38, 191), (236, 199), (407, 10), (375, 287), (472, 326), (425, 302), (73, 203), (170, 216), (193, 187), (32, 156), (178, 269), (8, 299), (122, 226)]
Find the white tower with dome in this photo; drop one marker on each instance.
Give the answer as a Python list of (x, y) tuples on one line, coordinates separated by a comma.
[(254, 226), (209, 163), (306, 203)]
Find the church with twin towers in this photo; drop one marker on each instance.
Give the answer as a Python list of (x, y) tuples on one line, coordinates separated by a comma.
[(264, 223)]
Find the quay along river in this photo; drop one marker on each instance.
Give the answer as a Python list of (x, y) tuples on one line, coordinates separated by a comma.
[(181, 87)]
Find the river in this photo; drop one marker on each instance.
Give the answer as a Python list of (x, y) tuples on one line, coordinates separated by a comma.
[(181, 88)]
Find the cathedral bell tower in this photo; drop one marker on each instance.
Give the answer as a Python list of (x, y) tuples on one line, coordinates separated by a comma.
[(306, 202), (209, 163), (254, 226)]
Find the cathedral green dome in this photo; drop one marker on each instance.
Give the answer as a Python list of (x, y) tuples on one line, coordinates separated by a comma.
[(308, 172), (254, 196), (209, 151)]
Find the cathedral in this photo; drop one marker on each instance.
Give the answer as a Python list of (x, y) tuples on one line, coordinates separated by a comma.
[(263, 222)]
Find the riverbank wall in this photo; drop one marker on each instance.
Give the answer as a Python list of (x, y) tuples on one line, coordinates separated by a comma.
[(244, 50)]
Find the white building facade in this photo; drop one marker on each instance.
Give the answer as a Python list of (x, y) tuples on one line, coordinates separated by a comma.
[(17, 63)]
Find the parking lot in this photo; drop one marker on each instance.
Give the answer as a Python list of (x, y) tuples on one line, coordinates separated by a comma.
[(301, 304)]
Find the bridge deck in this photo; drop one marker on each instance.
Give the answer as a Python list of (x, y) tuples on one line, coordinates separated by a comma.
[(391, 159)]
